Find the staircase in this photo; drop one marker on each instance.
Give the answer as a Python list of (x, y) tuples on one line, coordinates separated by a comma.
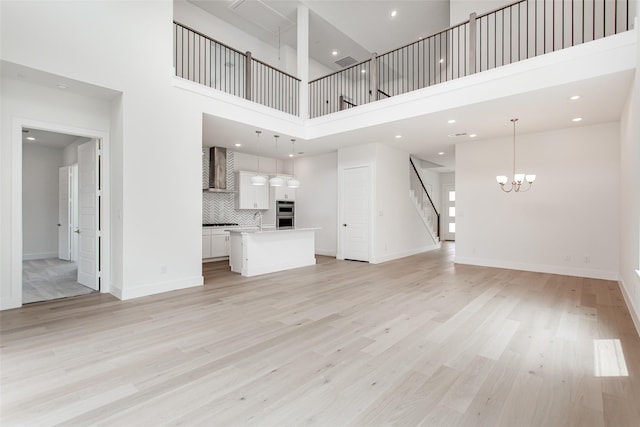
[(423, 203)]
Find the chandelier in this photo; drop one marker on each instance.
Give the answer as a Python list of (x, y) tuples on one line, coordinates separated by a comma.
[(518, 178)]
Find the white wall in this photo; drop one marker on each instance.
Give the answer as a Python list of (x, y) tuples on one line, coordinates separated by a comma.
[(157, 146), (571, 212), (40, 166), (317, 199), (630, 198)]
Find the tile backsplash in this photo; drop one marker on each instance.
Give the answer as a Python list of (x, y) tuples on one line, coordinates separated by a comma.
[(220, 207)]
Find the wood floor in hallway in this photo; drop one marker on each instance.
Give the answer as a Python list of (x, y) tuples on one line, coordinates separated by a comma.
[(416, 341)]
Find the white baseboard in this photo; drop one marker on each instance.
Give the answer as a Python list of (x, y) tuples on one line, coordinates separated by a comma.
[(325, 252), (403, 254), (630, 306), (7, 303), (116, 292), (539, 268), (157, 288), (39, 255)]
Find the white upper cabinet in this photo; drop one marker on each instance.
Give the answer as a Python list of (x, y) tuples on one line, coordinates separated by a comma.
[(284, 192), (250, 196)]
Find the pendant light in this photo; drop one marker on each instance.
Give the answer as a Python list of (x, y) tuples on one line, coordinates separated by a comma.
[(518, 178), (293, 182), (258, 179), (276, 181)]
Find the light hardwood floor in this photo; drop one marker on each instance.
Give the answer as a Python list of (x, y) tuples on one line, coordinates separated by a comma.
[(417, 341)]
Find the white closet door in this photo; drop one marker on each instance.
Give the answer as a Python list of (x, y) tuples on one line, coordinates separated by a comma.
[(356, 213)]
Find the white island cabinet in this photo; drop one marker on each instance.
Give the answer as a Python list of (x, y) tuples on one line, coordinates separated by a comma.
[(255, 252)]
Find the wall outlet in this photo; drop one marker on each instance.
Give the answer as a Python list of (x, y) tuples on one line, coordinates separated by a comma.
[(163, 269), (587, 259), (567, 258)]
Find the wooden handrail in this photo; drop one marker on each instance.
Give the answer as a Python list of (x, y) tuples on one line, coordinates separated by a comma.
[(427, 193)]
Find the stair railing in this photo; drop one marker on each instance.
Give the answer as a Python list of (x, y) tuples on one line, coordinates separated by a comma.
[(518, 31), (203, 60), (424, 199)]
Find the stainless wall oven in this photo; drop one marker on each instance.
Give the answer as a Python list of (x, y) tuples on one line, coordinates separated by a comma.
[(285, 214)]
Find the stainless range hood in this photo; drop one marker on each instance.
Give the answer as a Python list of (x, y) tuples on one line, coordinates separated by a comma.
[(218, 170)]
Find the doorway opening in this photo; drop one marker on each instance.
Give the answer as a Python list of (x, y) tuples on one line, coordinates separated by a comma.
[(60, 215)]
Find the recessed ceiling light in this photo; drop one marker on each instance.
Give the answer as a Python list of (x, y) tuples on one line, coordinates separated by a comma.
[(575, 97), (398, 136), (394, 13), (451, 121), (441, 153), (577, 119), (334, 53), (290, 155), (238, 145), (441, 60), (61, 86), (30, 138), (363, 71), (473, 135)]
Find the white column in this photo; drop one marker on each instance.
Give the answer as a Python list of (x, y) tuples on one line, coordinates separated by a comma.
[(303, 59)]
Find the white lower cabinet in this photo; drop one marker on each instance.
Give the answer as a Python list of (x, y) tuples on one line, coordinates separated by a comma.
[(206, 244), (215, 243)]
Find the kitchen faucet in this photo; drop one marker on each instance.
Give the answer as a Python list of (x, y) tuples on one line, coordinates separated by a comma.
[(257, 216)]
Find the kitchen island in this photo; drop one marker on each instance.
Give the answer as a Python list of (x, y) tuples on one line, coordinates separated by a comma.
[(254, 251)]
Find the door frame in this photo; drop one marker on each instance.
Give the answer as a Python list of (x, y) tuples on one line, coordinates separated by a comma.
[(444, 224), (16, 201), (341, 207)]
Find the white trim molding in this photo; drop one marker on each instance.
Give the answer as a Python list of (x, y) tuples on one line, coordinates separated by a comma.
[(17, 124), (158, 288), (630, 306), (539, 268), (403, 254)]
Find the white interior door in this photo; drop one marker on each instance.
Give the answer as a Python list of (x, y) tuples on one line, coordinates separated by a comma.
[(448, 216), (64, 213), (88, 214), (74, 212), (355, 224)]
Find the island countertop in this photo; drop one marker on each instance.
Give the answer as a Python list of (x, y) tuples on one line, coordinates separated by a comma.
[(269, 230)]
